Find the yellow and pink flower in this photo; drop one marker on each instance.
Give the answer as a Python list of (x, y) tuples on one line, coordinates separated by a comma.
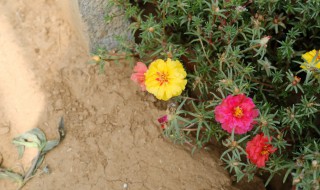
[(165, 79), (259, 149), (236, 113)]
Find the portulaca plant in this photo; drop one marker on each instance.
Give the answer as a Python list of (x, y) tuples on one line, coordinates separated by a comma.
[(245, 73)]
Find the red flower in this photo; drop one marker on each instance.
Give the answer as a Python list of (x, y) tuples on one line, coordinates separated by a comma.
[(138, 76), (163, 121), (236, 112), (259, 149)]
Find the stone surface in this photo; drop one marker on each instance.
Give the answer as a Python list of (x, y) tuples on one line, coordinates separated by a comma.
[(100, 33)]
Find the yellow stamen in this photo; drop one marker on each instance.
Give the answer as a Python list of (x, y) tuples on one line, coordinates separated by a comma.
[(265, 150), (162, 78), (238, 112)]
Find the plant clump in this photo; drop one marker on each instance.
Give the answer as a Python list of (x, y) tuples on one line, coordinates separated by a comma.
[(252, 79)]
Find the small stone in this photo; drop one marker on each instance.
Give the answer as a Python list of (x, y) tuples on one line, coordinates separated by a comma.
[(80, 117), (125, 186)]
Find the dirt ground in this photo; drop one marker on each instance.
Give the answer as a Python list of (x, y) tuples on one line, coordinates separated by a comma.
[(113, 140)]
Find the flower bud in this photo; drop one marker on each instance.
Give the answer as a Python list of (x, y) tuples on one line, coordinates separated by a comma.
[(96, 58), (151, 29), (264, 41), (296, 181), (234, 144), (215, 8), (236, 90), (189, 17), (279, 136), (235, 163), (296, 80), (259, 17), (314, 163), (309, 105), (264, 123)]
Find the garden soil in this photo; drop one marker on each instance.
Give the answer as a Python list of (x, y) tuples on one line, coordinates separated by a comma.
[(113, 140)]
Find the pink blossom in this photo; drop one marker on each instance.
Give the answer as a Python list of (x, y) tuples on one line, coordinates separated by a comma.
[(259, 149), (236, 112), (138, 75), (163, 121), (264, 41)]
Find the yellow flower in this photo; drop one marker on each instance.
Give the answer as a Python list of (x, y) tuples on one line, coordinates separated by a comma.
[(165, 79), (309, 56)]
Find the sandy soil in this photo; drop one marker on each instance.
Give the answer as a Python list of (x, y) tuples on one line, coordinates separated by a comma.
[(113, 140)]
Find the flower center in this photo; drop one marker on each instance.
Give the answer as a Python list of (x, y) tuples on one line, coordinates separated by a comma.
[(162, 78), (237, 112), (265, 150), (318, 57)]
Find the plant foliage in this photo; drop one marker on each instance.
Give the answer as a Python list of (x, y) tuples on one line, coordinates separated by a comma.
[(232, 47)]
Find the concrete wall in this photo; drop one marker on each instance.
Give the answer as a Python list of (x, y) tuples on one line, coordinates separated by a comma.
[(100, 33)]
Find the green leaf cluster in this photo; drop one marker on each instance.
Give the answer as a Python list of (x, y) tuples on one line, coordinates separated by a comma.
[(35, 138), (240, 47)]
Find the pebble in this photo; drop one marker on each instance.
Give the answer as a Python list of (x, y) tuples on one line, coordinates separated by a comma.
[(125, 186)]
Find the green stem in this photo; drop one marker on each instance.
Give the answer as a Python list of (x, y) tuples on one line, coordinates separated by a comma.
[(202, 46), (249, 48), (32, 167)]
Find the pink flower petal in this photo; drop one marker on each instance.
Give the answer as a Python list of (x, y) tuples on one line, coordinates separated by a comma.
[(163, 119), (225, 114), (138, 77)]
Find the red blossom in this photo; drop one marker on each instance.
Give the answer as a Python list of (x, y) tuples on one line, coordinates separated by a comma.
[(163, 121), (259, 149)]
